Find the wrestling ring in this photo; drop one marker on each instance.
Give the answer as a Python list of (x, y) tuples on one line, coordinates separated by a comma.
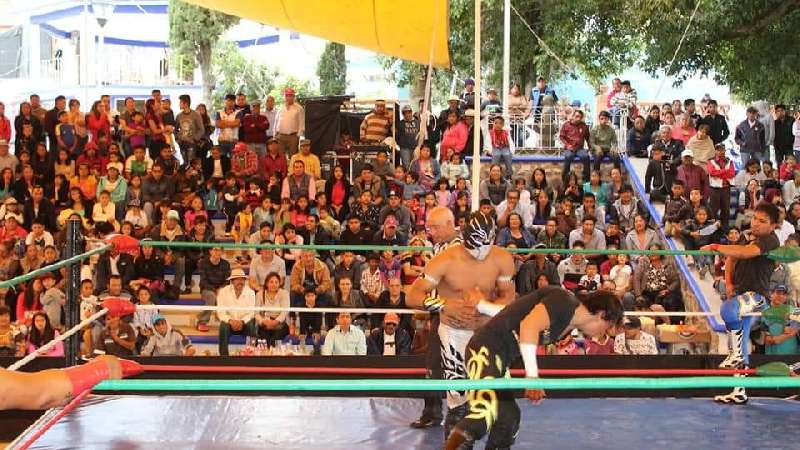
[(242, 406)]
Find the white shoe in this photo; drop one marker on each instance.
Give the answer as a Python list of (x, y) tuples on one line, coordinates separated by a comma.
[(735, 359), (737, 396)]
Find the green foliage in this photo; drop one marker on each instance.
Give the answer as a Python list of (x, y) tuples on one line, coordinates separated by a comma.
[(578, 31), (332, 70), (235, 73), (746, 44), (193, 33)]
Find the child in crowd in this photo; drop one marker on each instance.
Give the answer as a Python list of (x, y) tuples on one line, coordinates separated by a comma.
[(53, 300), (253, 194), (136, 131), (231, 199), (263, 212), (676, 209), (781, 333), (621, 274), (242, 227), (697, 233), (442, 192), (166, 341), (501, 146), (139, 163), (412, 186), (65, 133), (454, 169), (591, 280)]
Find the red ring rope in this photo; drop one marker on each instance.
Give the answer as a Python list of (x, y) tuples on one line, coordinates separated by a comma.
[(53, 420), (422, 371)]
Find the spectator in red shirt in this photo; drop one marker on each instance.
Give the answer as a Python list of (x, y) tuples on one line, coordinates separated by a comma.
[(5, 124), (575, 137), (244, 162), (693, 176), (720, 173), (255, 126), (274, 162), (97, 164), (97, 120), (11, 229)]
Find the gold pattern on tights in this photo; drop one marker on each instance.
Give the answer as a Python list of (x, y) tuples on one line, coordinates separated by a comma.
[(482, 402)]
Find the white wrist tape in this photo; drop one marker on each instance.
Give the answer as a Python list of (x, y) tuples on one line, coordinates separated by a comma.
[(528, 352), (488, 308)]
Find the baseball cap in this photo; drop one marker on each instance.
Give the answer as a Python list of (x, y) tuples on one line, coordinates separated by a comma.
[(172, 214), (491, 89), (406, 108), (255, 103), (632, 322), (271, 140), (470, 112), (393, 193), (686, 153), (468, 81), (305, 141), (391, 221), (391, 318), (780, 288), (158, 318), (240, 146)]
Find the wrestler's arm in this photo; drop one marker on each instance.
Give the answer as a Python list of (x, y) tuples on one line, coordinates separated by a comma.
[(50, 388), (41, 390), (531, 327), (504, 287), (506, 290), (736, 251), (432, 274)]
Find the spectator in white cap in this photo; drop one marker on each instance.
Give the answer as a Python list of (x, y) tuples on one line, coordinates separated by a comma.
[(407, 132), (170, 230), (453, 105), (692, 175), (7, 161), (241, 322)]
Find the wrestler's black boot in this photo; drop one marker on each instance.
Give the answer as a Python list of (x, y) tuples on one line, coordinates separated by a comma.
[(454, 415), (459, 440)]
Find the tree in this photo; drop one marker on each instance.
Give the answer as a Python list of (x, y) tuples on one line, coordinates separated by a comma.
[(193, 33), (745, 44), (332, 70), (235, 73), (579, 32)]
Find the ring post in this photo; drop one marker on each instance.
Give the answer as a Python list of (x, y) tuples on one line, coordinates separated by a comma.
[(75, 243)]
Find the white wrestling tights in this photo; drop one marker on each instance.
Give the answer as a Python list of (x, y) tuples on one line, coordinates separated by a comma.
[(454, 347)]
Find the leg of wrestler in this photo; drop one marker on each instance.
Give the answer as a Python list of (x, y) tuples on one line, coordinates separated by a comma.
[(453, 344), (504, 431), (738, 324), (432, 412), (485, 406)]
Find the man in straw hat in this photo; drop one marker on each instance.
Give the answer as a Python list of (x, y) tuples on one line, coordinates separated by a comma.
[(238, 295)]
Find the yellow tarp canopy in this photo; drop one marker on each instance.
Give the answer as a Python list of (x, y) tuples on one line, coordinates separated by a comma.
[(400, 28)]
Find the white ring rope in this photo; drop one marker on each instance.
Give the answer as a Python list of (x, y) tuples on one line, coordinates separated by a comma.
[(61, 338)]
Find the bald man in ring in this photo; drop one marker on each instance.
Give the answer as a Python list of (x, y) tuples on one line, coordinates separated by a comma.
[(466, 284), (441, 225)]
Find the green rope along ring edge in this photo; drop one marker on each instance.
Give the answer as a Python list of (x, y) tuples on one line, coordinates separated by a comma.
[(616, 383), (784, 254), (55, 266)]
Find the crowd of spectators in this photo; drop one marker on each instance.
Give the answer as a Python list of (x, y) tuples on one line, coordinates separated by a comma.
[(245, 174)]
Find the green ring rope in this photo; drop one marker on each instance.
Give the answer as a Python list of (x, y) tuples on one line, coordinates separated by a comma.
[(782, 254), (375, 248), (55, 266), (616, 383)]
